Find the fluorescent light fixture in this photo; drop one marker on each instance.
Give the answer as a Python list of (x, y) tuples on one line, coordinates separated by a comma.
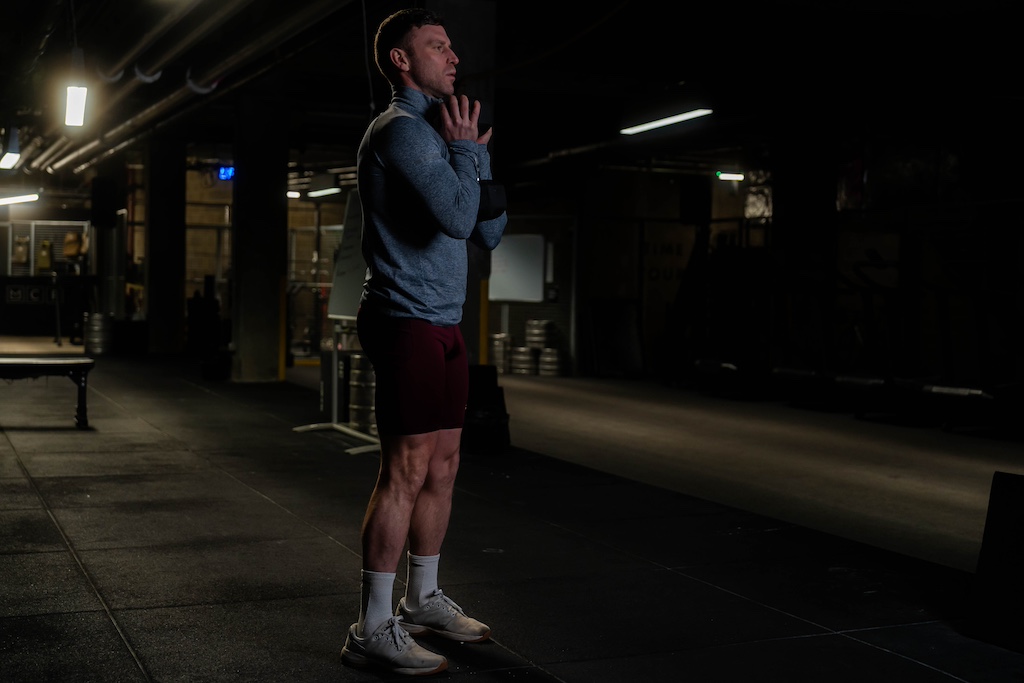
[(668, 121), (20, 199), (324, 192), (75, 115), (293, 195), (728, 176), (13, 152)]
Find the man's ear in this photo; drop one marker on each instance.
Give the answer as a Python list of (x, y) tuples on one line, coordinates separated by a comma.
[(399, 58)]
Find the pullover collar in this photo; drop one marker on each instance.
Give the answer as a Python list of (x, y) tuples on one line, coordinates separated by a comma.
[(414, 100)]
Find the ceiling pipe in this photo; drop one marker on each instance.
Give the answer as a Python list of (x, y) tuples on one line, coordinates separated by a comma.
[(27, 151), (252, 48), (45, 29), (149, 69), (178, 12), (223, 12), (144, 73), (39, 161), (184, 111), (281, 32)]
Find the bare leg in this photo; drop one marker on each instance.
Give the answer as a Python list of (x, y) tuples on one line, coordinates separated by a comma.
[(433, 508), (409, 466)]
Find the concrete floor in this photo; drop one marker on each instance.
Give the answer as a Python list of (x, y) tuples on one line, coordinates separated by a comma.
[(916, 489), (910, 486), (197, 532)]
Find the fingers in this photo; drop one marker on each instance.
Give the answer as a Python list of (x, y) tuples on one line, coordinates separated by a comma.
[(450, 110), (460, 119), (459, 109)]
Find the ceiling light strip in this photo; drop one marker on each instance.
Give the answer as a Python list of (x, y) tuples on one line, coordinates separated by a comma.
[(19, 199), (667, 121)]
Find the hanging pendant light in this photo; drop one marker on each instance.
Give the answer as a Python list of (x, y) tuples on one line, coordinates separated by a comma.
[(77, 91)]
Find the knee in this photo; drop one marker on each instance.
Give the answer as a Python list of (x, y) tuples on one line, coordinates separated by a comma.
[(407, 480), (443, 469)]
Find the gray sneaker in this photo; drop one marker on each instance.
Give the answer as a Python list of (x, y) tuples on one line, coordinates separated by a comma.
[(442, 617), (391, 648)]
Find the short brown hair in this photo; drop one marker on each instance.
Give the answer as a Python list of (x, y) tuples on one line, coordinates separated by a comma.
[(393, 32)]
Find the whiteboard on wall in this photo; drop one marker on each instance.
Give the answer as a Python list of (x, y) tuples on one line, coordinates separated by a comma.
[(349, 266), (517, 269)]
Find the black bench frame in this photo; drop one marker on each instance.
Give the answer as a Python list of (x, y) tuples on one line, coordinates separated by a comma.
[(76, 369)]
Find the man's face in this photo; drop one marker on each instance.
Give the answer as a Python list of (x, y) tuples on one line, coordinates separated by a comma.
[(431, 61)]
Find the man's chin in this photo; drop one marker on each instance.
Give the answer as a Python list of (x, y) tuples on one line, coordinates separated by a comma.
[(439, 93), (447, 86)]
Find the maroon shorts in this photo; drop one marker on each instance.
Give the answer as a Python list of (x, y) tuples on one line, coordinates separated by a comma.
[(421, 373)]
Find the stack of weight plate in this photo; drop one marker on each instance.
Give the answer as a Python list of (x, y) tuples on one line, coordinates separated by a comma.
[(548, 364), (536, 334), (523, 361), (362, 386), (98, 328), (500, 343)]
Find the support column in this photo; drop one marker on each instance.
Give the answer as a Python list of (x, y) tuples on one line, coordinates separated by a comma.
[(804, 181), (259, 241), (165, 246)]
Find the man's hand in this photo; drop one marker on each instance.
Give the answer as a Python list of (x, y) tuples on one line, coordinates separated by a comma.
[(459, 121)]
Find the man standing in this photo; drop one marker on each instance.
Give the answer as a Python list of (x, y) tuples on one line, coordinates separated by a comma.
[(420, 164)]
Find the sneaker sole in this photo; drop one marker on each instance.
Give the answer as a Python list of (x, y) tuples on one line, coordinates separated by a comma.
[(359, 661), (417, 630)]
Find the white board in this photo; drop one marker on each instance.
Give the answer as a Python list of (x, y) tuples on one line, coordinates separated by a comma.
[(517, 269), (349, 266)]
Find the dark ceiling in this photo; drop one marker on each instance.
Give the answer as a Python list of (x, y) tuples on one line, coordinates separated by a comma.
[(565, 76)]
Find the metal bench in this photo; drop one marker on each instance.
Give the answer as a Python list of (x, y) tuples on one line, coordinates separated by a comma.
[(76, 369)]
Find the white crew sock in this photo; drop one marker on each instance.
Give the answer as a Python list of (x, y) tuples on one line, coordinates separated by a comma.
[(376, 603), (422, 579)]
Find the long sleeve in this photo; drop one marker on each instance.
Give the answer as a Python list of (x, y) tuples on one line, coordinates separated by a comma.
[(420, 199)]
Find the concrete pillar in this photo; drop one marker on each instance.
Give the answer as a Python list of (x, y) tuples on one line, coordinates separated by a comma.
[(165, 246), (803, 196), (259, 234), (108, 199)]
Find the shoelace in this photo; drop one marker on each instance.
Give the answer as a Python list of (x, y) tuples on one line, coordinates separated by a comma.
[(446, 602), (397, 635)]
